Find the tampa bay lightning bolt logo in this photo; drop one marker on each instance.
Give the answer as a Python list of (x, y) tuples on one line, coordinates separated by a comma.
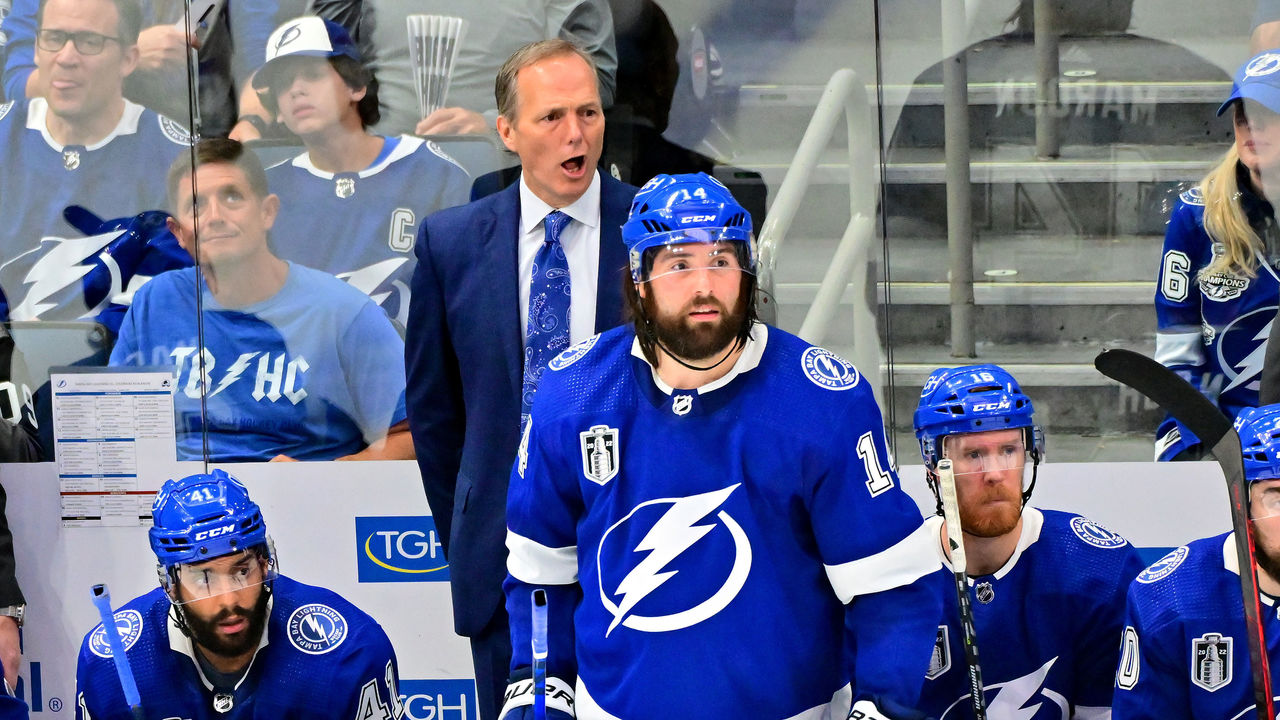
[(316, 629), (573, 354), (128, 624), (1094, 534), (288, 35), (1018, 698), (1192, 196), (658, 567), (1262, 65), (1247, 346), (1164, 567), (828, 370)]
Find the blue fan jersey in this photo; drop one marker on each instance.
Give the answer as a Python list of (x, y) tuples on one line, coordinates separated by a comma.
[(704, 549), (314, 372), (323, 659), (1047, 624), (361, 226), (43, 259), (1186, 651), (1211, 330)]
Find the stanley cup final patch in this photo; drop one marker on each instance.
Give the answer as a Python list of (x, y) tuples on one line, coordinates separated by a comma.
[(1211, 661), (599, 453), (940, 661)]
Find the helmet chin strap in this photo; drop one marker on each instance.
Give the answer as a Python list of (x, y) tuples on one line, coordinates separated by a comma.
[(673, 356)]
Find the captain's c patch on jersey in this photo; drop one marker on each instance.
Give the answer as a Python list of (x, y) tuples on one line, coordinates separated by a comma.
[(1211, 661), (599, 453)]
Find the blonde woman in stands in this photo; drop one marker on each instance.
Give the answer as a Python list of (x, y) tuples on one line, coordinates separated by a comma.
[(1217, 288)]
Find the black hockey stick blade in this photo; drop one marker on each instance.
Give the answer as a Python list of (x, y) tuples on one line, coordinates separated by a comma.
[(1191, 408), (1177, 396)]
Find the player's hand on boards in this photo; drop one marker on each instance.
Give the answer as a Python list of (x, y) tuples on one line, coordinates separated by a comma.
[(452, 121)]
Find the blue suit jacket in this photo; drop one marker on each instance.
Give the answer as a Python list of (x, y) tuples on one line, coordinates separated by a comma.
[(464, 350)]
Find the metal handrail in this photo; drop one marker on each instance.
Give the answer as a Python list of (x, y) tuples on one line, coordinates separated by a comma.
[(844, 94)]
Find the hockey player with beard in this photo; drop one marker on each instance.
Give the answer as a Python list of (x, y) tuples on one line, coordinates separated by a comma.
[(1047, 587), (708, 502), (226, 636), (1186, 652)]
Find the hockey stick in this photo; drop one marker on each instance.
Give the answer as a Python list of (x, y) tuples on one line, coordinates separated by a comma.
[(1189, 407), (959, 571), (102, 600), (540, 654)]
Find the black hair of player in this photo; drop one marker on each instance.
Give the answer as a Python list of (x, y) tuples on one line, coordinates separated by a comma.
[(216, 150), (128, 20), (356, 75), (639, 311)]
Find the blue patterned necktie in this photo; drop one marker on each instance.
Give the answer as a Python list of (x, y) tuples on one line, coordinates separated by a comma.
[(547, 332)]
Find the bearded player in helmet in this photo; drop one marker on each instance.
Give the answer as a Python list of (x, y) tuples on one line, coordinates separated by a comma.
[(225, 635), (685, 496), (1046, 587)]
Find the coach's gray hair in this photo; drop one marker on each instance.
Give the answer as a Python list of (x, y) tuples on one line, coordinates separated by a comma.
[(504, 87)]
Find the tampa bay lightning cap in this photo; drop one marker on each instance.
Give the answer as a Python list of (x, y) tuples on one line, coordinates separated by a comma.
[(308, 36), (1257, 80)]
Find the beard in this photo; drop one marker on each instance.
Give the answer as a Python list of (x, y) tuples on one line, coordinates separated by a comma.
[(991, 521), (687, 340), (1268, 560), (205, 632)]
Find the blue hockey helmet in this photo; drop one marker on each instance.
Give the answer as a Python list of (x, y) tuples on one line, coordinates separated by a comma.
[(1259, 431), (681, 209), (201, 517), (968, 399)]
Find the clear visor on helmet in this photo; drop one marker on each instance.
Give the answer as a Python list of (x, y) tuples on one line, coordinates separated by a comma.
[(715, 249), (985, 452), (226, 574), (1264, 502)]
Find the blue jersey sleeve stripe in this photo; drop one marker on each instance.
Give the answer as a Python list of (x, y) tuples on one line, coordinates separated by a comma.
[(536, 564), (910, 559), (1179, 348)]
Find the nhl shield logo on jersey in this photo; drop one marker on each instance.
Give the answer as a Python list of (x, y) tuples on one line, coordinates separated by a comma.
[(1164, 567), (1211, 661), (1094, 534), (985, 592), (573, 354), (128, 625), (681, 404), (599, 453), (316, 629), (344, 187), (828, 370), (70, 158), (940, 661)]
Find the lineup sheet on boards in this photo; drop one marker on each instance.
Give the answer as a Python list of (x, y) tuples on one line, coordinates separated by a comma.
[(114, 431)]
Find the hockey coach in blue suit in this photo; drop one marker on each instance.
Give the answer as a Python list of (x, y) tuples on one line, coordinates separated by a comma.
[(503, 285)]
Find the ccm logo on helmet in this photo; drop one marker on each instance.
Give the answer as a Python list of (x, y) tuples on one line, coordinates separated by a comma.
[(697, 218), (215, 532), (982, 407)]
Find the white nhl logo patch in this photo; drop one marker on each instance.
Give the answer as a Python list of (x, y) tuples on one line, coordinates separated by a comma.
[(223, 702), (599, 453), (573, 354), (128, 625), (316, 629), (681, 404), (828, 370), (344, 187), (1094, 534), (1164, 567), (940, 662), (1211, 661), (71, 159), (985, 592)]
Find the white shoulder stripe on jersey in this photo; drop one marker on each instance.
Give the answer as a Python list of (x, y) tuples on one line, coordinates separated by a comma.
[(904, 563), (1179, 348), (537, 564)]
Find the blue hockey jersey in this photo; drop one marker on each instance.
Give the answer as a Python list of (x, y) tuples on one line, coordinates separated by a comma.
[(1047, 624), (1212, 329), (43, 259), (361, 226), (314, 372), (703, 549), (322, 659), (1186, 652)]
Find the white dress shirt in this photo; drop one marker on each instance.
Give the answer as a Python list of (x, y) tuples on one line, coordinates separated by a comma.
[(581, 241)]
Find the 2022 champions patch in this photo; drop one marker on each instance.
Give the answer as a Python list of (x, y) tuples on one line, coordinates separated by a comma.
[(316, 629), (828, 370), (128, 624)]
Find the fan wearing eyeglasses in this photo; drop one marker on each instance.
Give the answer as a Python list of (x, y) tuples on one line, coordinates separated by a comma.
[(80, 142)]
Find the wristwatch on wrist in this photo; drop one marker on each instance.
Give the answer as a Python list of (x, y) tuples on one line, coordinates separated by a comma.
[(17, 612)]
